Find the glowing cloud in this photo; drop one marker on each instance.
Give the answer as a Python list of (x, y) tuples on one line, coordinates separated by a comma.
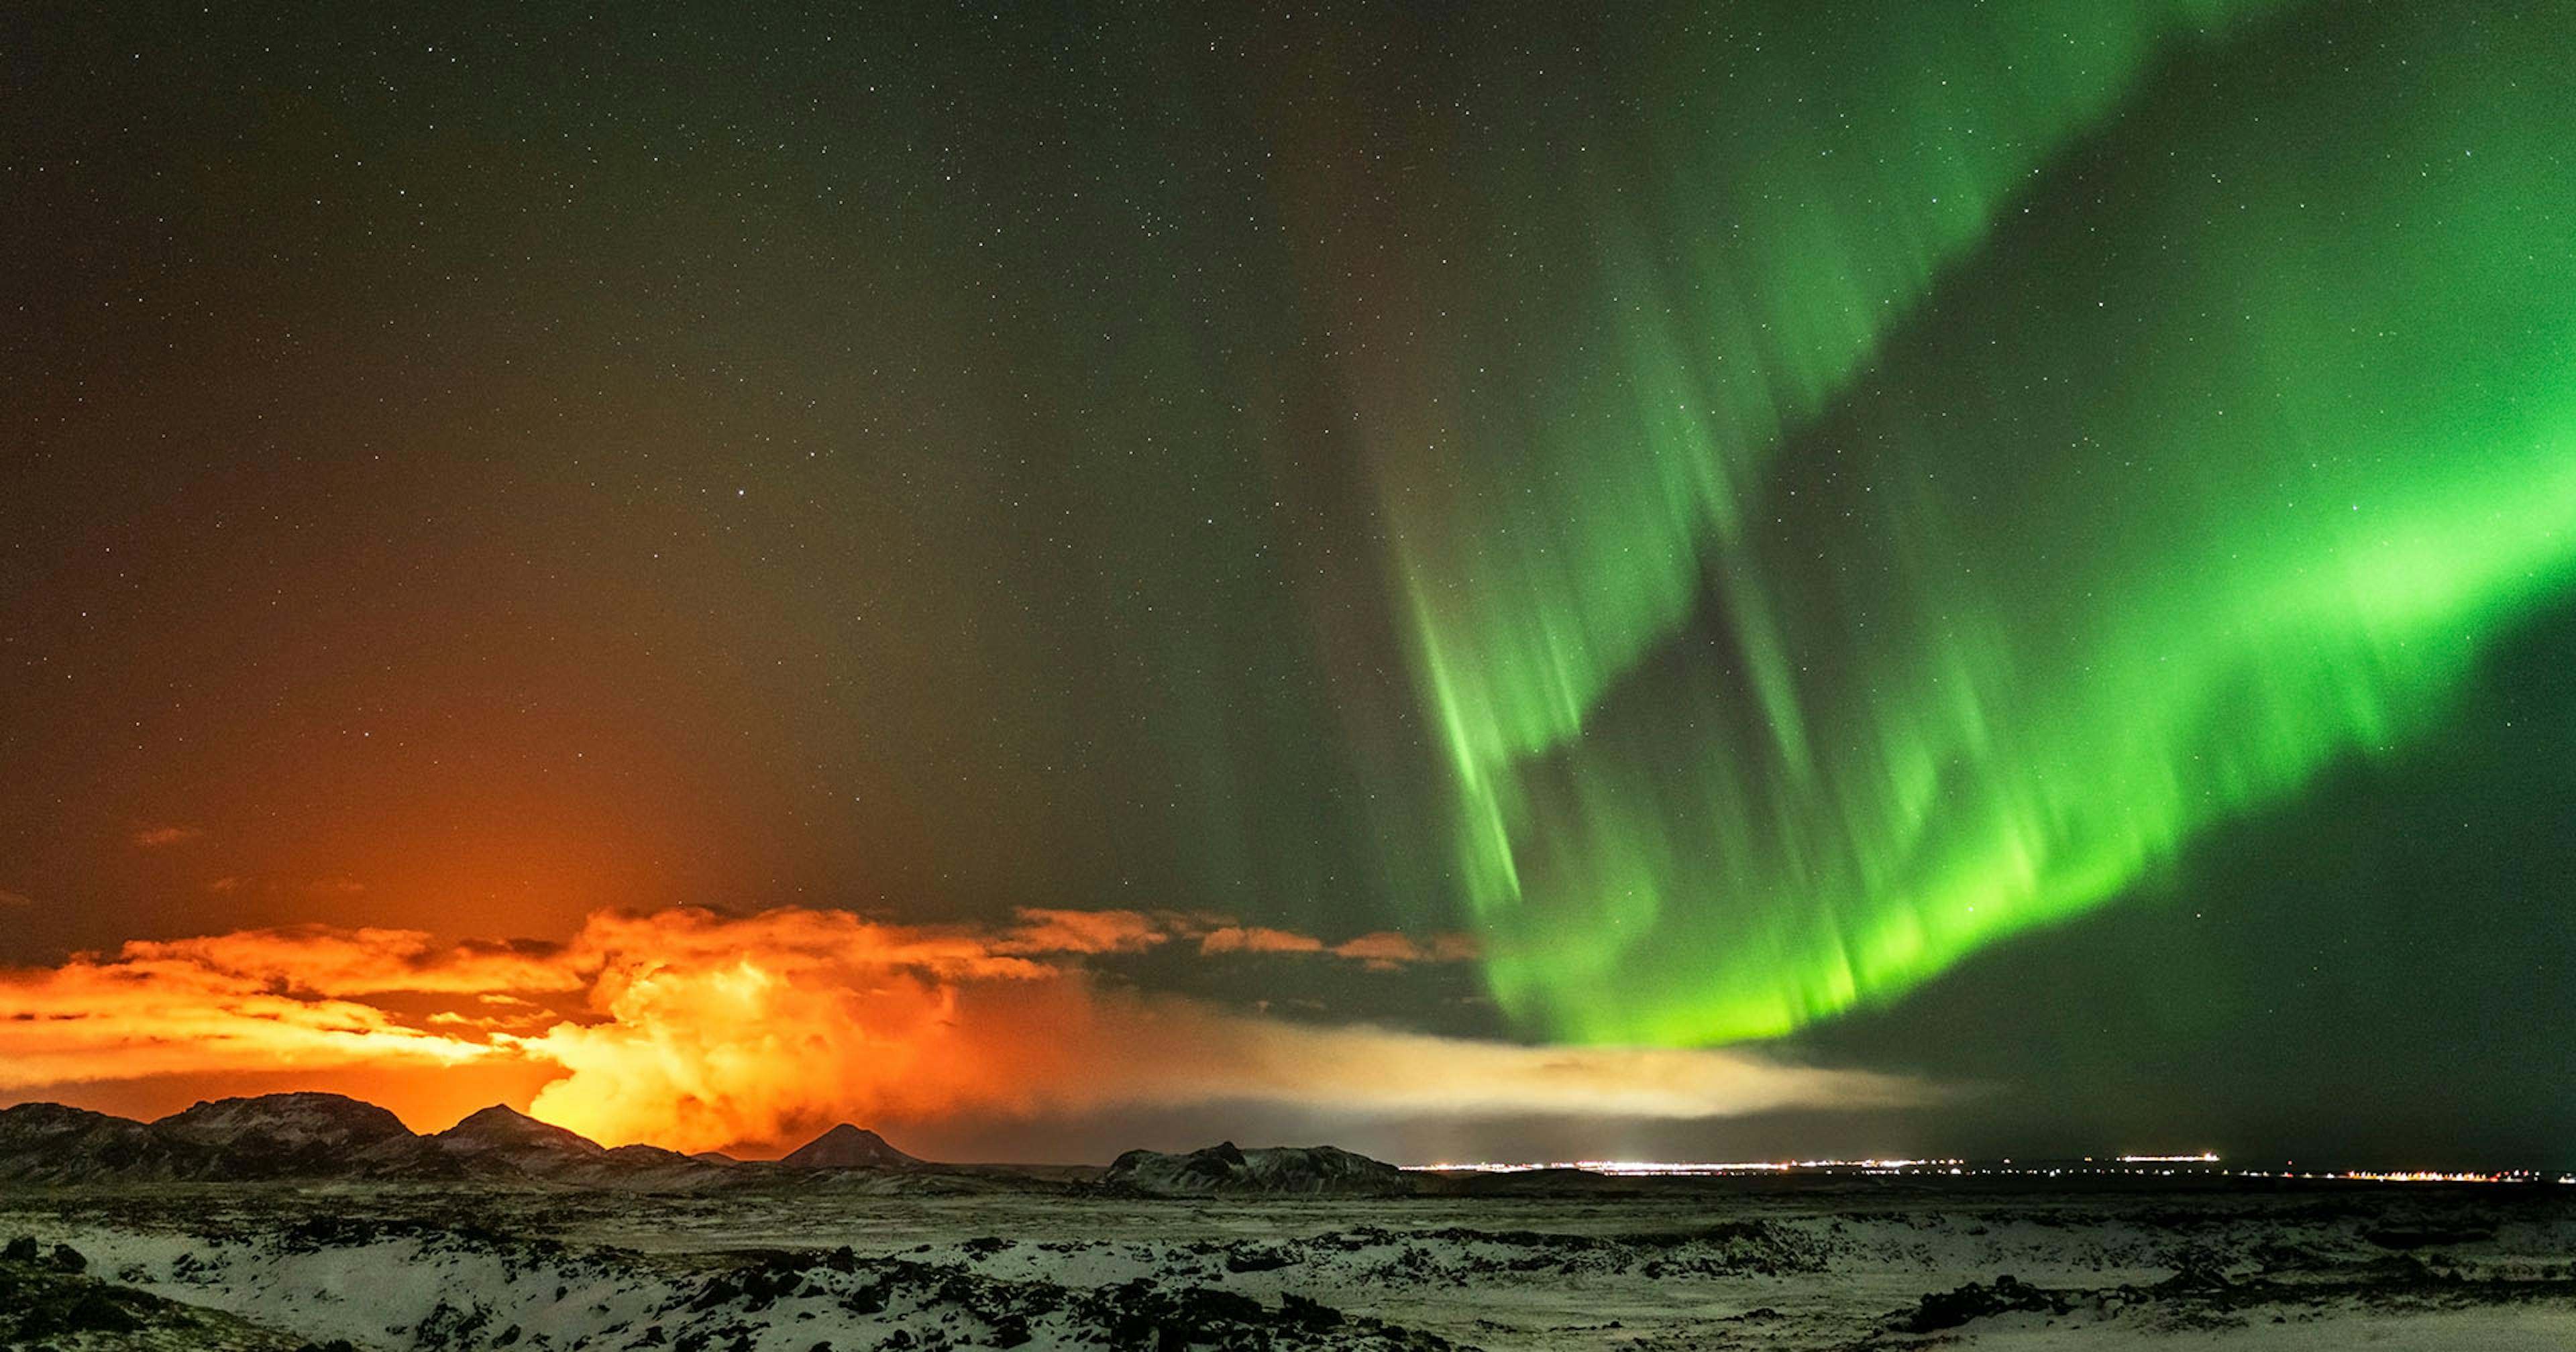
[(1256, 939), (309, 960), (128, 1019), (1044, 931), (697, 1030)]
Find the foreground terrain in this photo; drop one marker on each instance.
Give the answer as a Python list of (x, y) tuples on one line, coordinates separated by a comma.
[(850, 1264)]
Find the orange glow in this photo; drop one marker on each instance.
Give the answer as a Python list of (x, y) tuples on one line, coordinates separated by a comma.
[(695, 1030), (1256, 939), (1042, 931)]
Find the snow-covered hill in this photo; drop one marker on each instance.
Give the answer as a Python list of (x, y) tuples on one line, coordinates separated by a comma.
[(1226, 1168)]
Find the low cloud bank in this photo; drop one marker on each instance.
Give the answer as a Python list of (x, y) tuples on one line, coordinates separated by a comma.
[(697, 1030)]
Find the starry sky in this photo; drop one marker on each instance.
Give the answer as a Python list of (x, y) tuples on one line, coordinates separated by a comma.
[(1525, 580)]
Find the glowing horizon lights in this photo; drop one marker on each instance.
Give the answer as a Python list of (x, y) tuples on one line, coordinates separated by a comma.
[(1987, 1169), (1674, 1169)]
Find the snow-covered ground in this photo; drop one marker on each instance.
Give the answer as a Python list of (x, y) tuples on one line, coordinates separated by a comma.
[(1691, 1267)]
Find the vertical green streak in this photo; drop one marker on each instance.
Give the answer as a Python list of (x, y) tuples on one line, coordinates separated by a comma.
[(1796, 178)]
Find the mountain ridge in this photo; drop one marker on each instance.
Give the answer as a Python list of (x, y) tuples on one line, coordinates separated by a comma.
[(311, 1136), (307, 1135)]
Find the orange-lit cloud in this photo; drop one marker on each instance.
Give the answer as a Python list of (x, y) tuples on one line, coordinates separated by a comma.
[(323, 960), (1387, 950), (1384, 950), (92, 1020), (1384, 947), (9, 899), (162, 837), (1045, 931), (696, 1030), (1257, 939)]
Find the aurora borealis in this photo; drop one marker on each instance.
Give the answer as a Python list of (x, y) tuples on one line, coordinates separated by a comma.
[(2262, 524), (1763, 529)]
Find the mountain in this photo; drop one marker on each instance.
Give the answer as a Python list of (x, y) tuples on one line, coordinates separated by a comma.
[(848, 1147), (506, 1132), (50, 1143), (234, 1139), (654, 1156), (330, 1137), (282, 1136), (1226, 1168), (501, 1142), (315, 1136), (308, 1136)]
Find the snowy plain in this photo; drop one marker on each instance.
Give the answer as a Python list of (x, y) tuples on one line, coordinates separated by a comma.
[(860, 1264)]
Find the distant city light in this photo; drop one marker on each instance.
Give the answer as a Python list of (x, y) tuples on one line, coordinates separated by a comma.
[(1670, 1169), (2123, 1166)]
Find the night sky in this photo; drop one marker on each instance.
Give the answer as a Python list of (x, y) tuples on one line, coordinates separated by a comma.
[(1762, 578)]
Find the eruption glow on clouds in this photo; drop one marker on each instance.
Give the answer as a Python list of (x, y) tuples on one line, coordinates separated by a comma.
[(693, 1030)]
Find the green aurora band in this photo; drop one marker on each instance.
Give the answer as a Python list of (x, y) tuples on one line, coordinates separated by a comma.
[(1996, 447)]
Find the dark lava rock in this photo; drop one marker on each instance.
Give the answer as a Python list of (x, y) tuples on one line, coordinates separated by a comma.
[(1258, 1260), (96, 1312), (1950, 1309)]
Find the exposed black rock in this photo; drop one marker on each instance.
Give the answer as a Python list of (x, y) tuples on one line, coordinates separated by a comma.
[(48, 1296), (1949, 1309)]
